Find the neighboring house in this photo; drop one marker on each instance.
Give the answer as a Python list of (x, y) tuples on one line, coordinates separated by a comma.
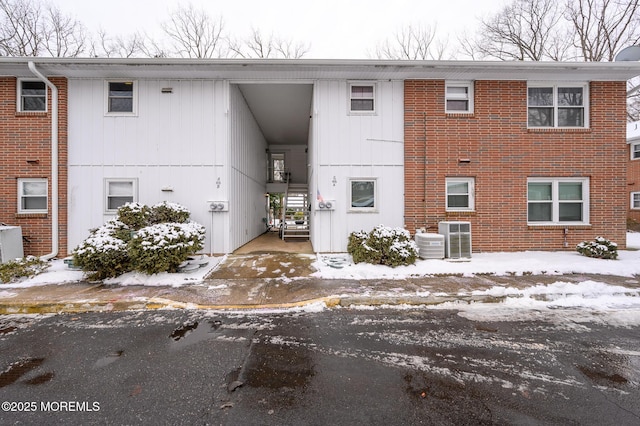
[(531, 153), (633, 170)]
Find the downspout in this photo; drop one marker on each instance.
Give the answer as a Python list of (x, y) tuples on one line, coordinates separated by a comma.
[(54, 162)]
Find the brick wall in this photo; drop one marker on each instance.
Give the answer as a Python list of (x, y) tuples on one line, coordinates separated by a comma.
[(25, 146), (503, 153), (633, 184)]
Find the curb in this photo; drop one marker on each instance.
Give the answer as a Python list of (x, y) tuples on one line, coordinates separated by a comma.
[(154, 303), (158, 303)]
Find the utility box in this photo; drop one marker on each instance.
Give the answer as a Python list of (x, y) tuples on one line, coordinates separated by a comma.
[(457, 239), (10, 243), (430, 246)]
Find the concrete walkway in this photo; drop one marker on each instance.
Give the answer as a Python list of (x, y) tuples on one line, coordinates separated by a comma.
[(269, 273)]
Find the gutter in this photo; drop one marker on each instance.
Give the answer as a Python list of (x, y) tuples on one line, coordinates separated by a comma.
[(54, 162)]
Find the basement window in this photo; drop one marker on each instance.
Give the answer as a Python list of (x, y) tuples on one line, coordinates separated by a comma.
[(32, 96), (121, 97)]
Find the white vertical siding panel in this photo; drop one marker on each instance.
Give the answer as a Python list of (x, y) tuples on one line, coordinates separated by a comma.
[(357, 146), (247, 171), (172, 143)]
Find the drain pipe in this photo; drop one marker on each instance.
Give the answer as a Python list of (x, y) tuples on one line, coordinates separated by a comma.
[(54, 162)]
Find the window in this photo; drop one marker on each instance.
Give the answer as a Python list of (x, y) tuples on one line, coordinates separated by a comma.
[(558, 200), (121, 97), (32, 96), (459, 97), (120, 192), (635, 151), (363, 194), (32, 195), (635, 200), (557, 106), (362, 98), (460, 194)]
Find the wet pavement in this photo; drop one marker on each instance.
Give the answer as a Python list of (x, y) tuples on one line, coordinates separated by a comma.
[(339, 367), (271, 281)]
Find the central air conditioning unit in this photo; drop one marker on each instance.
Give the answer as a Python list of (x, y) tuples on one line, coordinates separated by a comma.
[(457, 239), (10, 243), (430, 246)]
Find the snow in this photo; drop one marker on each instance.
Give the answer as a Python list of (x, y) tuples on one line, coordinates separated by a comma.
[(563, 302), (511, 263), (340, 266)]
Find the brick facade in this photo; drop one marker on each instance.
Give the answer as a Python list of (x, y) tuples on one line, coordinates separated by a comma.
[(25, 144), (503, 153), (633, 182)]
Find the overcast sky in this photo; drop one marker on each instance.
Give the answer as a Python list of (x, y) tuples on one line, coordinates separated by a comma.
[(348, 29)]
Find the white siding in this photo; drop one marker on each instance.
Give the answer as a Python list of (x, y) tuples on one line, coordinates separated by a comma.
[(356, 146), (177, 140), (247, 172)]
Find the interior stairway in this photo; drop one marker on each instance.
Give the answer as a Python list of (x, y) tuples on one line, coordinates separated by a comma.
[(295, 217)]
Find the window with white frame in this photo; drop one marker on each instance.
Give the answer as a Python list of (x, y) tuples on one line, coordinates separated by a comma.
[(558, 200), (362, 97), (32, 195), (32, 96), (459, 97), (635, 200), (119, 192), (635, 151), (460, 194), (362, 194), (561, 106), (121, 97)]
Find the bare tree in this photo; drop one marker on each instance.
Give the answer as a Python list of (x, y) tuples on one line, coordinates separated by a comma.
[(130, 46), (588, 30), (29, 29), (523, 30), (194, 34), (604, 27), (259, 46), (412, 43), (64, 36)]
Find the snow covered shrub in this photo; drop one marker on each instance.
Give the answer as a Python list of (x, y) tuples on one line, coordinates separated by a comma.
[(600, 248), (104, 253), (26, 267), (383, 246), (148, 239), (135, 215), (169, 212), (356, 247), (164, 246)]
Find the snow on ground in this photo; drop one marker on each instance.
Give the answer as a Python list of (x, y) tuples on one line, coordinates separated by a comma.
[(339, 266), (511, 263)]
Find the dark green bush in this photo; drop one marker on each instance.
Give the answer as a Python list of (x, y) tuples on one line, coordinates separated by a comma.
[(26, 267), (383, 246), (135, 215), (104, 254), (600, 248), (134, 242), (165, 212), (164, 246)]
